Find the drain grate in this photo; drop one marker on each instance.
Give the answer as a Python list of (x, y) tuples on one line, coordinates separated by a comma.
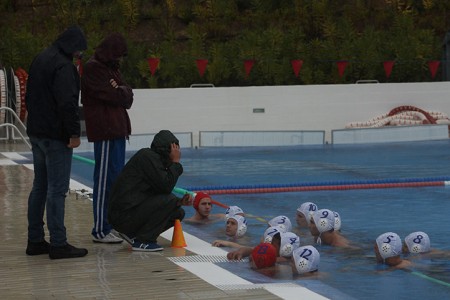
[(204, 258), (229, 287)]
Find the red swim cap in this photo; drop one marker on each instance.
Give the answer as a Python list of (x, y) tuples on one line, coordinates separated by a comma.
[(264, 255), (198, 197)]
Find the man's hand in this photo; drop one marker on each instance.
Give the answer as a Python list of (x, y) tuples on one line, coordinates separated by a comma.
[(175, 153), (74, 142), (186, 200), (239, 253)]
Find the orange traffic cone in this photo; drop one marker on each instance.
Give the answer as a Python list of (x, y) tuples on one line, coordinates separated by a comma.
[(178, 236)]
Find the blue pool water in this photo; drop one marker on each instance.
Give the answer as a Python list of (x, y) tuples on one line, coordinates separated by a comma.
[(365, 213)]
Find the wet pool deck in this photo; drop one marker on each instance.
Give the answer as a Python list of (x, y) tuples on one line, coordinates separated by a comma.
[(109, 271)]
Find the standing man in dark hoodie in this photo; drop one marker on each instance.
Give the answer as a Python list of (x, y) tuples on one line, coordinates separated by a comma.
[(106, 97), (53, 125), (142, 205)]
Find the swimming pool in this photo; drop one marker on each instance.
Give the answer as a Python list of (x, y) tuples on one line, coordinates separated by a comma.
[(365, 213)]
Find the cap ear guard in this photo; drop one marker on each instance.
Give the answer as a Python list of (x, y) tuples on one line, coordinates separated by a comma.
[(385, 250), (241, 230), (337, 221), (416, 248)]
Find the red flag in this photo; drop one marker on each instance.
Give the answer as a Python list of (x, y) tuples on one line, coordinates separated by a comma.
[(388, 65), (153, 63), (201, 66), (433, 65), (296, 66), (342, 64), (248, 64)]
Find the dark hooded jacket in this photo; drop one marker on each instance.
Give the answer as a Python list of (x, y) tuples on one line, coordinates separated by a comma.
[(105, 107), (146, 176), (53, 89)]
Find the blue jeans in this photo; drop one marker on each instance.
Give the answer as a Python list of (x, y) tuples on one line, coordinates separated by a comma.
[(52, 161), (109, 161)]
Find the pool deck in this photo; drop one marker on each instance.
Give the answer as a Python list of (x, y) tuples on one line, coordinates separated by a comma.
[(109, 271)]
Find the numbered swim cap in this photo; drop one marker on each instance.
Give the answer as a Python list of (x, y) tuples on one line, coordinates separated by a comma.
[(233, 210), (389, 244), (264, 255), (418, 242), (270, 232), (242, 225), (283, 222), (337, 221), (306, 259), (289, 242), (308, 209), (324, 220)]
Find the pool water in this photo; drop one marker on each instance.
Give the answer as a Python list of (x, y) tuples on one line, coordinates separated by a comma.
[(365, 213)]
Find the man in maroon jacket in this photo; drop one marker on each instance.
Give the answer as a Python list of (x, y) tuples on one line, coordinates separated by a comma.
[(106, 97)]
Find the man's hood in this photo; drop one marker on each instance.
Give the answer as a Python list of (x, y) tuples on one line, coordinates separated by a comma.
[(112, 48), (162, 142), (71, 40)]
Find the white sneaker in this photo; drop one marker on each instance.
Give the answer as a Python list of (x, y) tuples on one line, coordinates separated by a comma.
[(110, 238)]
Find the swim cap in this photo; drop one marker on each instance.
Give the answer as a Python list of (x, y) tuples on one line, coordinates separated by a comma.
[(270, 232), (389, 244), (289, 242), (198, 197), (242, 225), (308, 209), (264, 255), (418, 242), (306, 259), (324, 220), (233, 210), (283, 222), (337, 221)]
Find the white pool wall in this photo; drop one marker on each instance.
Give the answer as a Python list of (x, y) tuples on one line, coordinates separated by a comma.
[(296, 108)]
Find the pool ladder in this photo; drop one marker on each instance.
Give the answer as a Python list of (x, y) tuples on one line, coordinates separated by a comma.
[(10, 128)]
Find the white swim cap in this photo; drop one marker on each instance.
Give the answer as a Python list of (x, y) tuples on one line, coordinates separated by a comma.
[(289, 242), (324, 220), (233, 210), (389, 244), (307, 209), (418, 242), (270, 232), (242, 225), (306, 259), (337, 221), (283, 222)]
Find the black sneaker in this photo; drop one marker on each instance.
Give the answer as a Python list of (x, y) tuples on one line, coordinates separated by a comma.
[(37, 248), (67, 251)]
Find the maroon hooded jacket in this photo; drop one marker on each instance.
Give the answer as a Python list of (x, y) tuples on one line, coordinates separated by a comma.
[(105, 107)]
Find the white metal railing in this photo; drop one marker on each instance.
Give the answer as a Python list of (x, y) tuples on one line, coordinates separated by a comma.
[(202, 85), (10, 135), (367, 81)]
